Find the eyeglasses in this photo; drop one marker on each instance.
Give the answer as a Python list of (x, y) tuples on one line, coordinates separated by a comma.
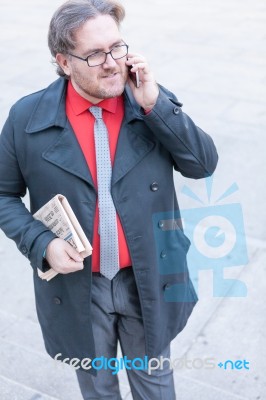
[(99, 58)]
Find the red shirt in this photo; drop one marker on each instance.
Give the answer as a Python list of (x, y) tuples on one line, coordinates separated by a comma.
[(82, 122)]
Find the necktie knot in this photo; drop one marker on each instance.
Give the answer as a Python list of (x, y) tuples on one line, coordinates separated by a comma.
[(96, 112)]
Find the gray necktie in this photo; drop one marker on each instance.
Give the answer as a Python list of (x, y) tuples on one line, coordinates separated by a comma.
[(109, 257)]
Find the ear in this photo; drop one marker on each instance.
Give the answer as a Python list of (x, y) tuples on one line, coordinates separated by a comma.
[(63, 61)]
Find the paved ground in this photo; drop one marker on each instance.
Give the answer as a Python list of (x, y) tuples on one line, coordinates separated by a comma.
[(212, 55)]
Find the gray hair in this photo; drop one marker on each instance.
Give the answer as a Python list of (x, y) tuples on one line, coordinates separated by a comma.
[(71, 16)]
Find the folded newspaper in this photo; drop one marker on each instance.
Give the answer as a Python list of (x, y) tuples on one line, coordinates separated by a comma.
[(59, 217)]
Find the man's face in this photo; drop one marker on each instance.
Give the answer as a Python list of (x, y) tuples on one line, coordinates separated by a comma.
[(106, 80)]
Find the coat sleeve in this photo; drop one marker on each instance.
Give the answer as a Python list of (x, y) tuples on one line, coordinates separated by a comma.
[(192, 150), (30, 236)]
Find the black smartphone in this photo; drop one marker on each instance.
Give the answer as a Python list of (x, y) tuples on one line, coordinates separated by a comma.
[(134, 76)]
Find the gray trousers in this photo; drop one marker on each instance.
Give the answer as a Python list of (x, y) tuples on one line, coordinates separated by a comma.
[(116, 316)]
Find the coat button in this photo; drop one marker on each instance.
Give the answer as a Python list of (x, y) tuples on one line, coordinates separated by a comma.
[(167, 286), (24, 250), (176, 110), (161, 224), (154, 187), (163, 254), (57, 300)]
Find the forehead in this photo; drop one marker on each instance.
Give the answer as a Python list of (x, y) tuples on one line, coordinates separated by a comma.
[(97, 33)]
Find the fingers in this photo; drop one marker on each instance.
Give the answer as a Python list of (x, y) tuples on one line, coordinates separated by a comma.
[(138, 63), (135, 58), (147, 93), (62, 257), (73, 253)]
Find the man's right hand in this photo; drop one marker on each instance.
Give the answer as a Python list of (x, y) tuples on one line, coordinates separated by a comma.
[(62, 257)]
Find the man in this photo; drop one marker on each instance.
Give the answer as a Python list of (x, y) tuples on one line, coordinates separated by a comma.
[(135, 288)]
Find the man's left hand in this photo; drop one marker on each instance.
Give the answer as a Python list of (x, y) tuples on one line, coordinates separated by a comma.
[(147, 94)]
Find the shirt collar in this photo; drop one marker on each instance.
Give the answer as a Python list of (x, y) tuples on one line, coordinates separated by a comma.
[(79, 104)]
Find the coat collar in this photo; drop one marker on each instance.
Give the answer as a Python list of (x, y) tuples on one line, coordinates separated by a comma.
[(50, 110), (66, 153)]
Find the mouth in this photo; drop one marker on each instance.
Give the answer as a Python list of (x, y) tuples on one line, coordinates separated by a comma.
[(110, 76)]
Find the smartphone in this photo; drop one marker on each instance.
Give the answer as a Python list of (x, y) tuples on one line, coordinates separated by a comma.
[(134, 76)]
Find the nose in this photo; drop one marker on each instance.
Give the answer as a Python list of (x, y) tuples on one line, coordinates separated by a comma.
[(109, 62)]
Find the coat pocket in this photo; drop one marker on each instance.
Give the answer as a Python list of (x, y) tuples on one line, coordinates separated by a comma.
[(171, 245)]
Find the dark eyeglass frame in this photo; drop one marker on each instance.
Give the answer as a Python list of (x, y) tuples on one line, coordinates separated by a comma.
[(102, 52)]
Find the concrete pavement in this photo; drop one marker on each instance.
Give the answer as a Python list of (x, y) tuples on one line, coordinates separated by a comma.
[(212, 55)]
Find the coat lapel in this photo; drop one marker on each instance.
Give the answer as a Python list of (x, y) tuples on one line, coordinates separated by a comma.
[(132, 146), (65, 152)]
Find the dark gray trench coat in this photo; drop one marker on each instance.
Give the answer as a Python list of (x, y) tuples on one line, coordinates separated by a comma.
[(39, 151)]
